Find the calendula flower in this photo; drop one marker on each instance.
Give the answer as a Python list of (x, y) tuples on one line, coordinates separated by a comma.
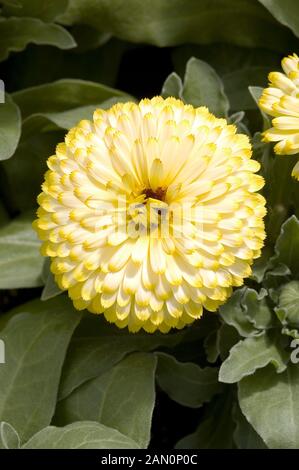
[(150, 213), (281, 100)]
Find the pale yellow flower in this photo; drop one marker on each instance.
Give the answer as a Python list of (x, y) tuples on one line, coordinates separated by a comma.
[(281, 100), (149, 213)]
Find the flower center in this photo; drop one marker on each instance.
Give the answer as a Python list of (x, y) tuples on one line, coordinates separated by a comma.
[(150, 214), (158, 194)]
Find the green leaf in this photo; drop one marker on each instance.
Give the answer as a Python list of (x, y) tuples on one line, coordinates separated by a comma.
[(274, 278), (293, 333), (82, 435), (20, 260), (251, 354), (62, 95), (46, 10), (10, 127), (261, 265), (287, 246), (36, 336), (39, 122), (289, 302), (270, 402), (227, 59), (233, 314), (256, 93), (219, 342), (248, 311), (286, 12), (172, 86), (66, 119), (245, 436), (236, 118), (241, 22), (51, 289), (237, 82), (27, 167), (9, 438), (280, 189), (228, 336), (203, 87), (90, 353), (211, 345), (186, 383), (256, 308), (123, 398), (17, 33), (216, 429), (88, 38)]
